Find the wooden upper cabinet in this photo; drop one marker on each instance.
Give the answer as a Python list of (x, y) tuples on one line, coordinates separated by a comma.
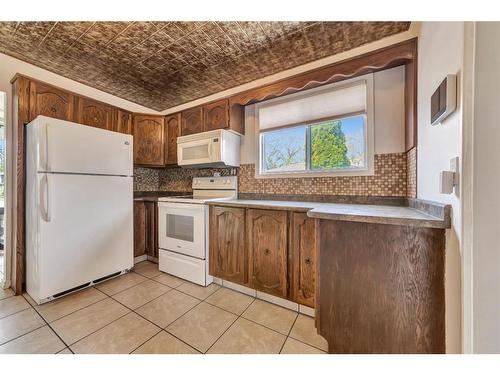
[(192, 121), (216, 115), (267, 251), (227, 244), (172, 128), (123, 122), (148, 131), (93, 113), (303, 258), (49, 101)]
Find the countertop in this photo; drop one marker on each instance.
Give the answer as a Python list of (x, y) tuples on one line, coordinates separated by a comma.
[(366, 213), (152, 196)]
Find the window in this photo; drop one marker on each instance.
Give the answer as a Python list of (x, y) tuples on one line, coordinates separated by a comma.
[(324, 131)]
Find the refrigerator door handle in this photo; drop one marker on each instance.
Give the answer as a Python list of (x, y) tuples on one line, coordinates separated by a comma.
[(44, 197), (47, 163)]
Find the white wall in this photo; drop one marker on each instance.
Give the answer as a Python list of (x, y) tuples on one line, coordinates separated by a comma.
[(440, 52), (389, 123), (486, 182)]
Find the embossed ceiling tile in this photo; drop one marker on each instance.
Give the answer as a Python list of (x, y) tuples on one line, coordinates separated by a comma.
[(141, 63), (161, 38), (134, 35), (101, 33), (176, 50), (254, 32), (7, 30)]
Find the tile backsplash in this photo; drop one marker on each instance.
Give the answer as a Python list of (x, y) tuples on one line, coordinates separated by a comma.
[(390, 179)]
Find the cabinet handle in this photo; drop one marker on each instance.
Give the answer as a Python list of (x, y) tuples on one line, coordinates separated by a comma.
[(267, 251), (307, 260), (53, 109)]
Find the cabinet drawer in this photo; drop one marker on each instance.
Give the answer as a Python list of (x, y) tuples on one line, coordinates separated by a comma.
[(179, 265)]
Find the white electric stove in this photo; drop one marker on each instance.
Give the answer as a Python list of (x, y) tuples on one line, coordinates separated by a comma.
[(183, 228)]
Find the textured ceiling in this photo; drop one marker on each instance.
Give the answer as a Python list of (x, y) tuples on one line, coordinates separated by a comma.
[(164, 64)]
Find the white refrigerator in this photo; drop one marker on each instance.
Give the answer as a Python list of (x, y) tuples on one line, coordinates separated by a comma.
[(79, 206)]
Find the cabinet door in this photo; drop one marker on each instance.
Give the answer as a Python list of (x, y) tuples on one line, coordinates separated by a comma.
[(172, 124), (93, 113), (216, 115), (148, 140), (267, 251), (302, 258), (227, 244), (151, 229), (48, 101), (123, 122), (191, 121), (139, 228)]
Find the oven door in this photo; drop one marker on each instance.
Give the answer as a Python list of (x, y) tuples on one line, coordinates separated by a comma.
[(197, 152), (181, 228)]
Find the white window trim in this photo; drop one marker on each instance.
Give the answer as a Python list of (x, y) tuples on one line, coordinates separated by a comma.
[(369, 170)]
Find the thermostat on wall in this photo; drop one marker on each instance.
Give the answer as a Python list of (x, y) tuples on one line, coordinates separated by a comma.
[(444, 99)]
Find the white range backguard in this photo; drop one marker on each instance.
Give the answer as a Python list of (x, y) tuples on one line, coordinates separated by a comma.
[(79, 206)]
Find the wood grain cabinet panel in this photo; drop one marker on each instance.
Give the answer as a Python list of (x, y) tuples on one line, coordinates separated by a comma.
[(216, 115), (227, 244), (302, 258), (267, 251), (148, 140), (192, 121), (123, 122), (151, 228), (93, 113), (139, 228), (49, 101), (380, 288), (172, 128)]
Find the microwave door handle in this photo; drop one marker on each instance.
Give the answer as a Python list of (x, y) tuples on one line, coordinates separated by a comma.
[(210, 145)]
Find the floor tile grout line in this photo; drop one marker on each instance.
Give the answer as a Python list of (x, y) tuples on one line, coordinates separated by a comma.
[(288, 334), (18, 311), (64, 316), (24, 334), (156, 334), (46, 323), (127, 288), (237, 317)]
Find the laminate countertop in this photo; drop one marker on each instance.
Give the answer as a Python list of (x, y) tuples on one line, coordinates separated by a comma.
[(152, 196), (365, 213)]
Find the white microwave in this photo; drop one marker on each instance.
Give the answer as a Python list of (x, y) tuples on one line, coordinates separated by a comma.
[(216, 148)]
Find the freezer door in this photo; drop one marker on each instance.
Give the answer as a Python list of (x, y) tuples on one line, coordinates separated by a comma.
[(85, 229), (64, 147)]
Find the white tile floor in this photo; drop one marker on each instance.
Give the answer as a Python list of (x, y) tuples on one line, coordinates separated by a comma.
[(147, 311)]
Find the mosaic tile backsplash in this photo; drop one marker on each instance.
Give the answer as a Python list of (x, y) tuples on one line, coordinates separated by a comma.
[(411, 171), (390, 180)]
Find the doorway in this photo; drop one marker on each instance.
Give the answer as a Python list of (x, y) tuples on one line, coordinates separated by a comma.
[(3, 116)]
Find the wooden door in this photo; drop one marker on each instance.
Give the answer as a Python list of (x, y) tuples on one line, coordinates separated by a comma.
[(139, 228), (302, 258), (192, 121), (172, 125), (148, 140), (123, 122), (93, 113), (49, 101), (216, 115), (267, 251), (227, 244), (151, 229)]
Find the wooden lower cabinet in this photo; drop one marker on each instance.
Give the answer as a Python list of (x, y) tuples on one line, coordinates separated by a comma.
[(302, 258), (267, 251), (227, 244), (145, 229)]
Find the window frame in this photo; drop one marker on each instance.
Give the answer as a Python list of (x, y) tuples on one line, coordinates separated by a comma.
[(368, 170)]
